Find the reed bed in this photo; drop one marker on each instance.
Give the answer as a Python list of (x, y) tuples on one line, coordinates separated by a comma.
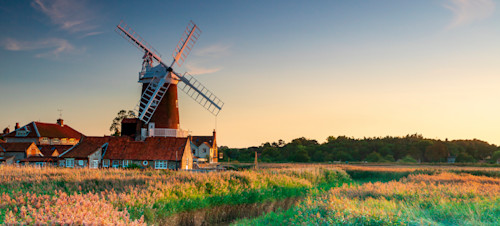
[(439, 199), (32, 195)]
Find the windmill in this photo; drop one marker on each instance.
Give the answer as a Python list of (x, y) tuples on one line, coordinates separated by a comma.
[(158, 106)]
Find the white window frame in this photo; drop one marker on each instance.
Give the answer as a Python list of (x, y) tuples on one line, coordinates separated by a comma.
[(62, 163), (70, 163), (125, 163), (105, 163), (161, 164), (115, 165), (81, 163)]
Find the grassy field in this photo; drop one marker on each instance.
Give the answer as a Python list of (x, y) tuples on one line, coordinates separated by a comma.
[(310, 194), (421, 196), (136, 197)]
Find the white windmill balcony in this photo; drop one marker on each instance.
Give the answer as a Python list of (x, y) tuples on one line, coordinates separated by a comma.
[(162, 132)]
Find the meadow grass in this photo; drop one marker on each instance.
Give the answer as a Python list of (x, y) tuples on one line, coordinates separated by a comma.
[(31, 195), (439, 199)]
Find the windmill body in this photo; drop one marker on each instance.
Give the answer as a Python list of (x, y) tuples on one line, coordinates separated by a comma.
[(158, 109)]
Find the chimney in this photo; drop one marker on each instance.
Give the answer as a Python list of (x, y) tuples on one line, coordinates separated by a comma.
[(60, 122), (6, 130), (17, 126), (214, 134)]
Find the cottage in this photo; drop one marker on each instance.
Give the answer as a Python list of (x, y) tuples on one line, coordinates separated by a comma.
[(44, 134), (48, 155), (154, 152), (19, 151), (87, 153), (204, 148)]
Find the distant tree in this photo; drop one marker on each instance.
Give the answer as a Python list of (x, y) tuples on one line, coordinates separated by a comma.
[(116, 124), (374, 157), (389, 158), (465, 157), (407, 159), (301, 155), (495, 157), (436, 152)]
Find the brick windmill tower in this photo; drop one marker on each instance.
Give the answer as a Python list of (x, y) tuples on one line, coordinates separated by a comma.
[(158, 110)]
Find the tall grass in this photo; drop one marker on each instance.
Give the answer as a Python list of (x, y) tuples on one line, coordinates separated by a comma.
[(443, 198), (58, 195)]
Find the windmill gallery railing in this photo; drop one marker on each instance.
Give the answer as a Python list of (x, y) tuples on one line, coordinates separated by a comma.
[(161, 132)]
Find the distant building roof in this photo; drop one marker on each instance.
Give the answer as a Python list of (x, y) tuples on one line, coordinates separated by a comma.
[(85, 147), (48, 150), (124, 148), (50, 130), (198, 140), (39, 159), (15, 147), (153, 148)]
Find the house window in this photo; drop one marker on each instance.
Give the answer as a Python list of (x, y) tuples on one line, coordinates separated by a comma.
[(64, 141), (62, 163), (161, 164), (145, 162), (80, 162), (44, 140), (105, 163), (39, 164), (125, 163), (116, 163), (56, 141), (70, 163), (72, 141)]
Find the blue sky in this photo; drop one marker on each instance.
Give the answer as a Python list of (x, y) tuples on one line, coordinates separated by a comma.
[(285, 69)]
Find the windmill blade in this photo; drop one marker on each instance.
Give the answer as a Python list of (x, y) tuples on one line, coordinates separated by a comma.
[(130, 35), (151, 98), (186, 43), (200, 94)]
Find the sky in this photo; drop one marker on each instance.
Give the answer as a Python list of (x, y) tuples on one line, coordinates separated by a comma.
[(285, 69)]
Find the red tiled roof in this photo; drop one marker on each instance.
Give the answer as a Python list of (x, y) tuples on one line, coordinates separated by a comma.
[(39, 159), (85, 147), (47, 150), (16, 147), (198, 140), (56, 131), (50, 130), (153, 148)]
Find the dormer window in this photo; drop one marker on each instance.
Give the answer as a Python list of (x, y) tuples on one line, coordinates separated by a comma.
[(56, 141), (22, 132), (64, 141), (44, 140)]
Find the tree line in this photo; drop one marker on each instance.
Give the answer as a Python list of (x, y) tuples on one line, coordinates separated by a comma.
[(410, 148)]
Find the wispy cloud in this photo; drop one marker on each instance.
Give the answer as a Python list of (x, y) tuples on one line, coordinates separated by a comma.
[(72, 16), (52, 47), (198, 70), (216, 50), (468, 11)]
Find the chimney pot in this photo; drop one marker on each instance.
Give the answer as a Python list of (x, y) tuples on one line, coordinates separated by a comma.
[(17, 126), (60, 122)]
